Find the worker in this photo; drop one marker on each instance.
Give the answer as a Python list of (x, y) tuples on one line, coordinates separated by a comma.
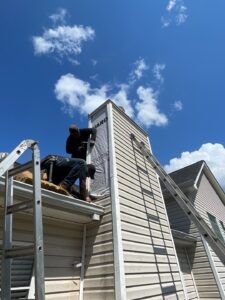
[(77, 141), (65, 171)]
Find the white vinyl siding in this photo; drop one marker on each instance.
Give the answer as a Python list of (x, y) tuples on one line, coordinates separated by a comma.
[(187, 274), (99, 260), (62, 251), (199, 261), (21, 271), (151, 268), (207, 201)]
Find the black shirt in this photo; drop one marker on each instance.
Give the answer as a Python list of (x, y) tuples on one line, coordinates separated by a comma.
[(77, 145)]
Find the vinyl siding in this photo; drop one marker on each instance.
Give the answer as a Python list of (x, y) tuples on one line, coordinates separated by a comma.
[(151, 268), (99, 260), (62, 251), (199, 261), (188, 277), (208, 201)]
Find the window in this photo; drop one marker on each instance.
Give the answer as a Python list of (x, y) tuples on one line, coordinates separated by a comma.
[(222, 225), (215, 227)]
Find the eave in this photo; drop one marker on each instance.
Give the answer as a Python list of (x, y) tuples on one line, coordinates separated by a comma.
[(183, 239), (56, 206)]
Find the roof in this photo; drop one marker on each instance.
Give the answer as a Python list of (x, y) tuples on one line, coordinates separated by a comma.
[(183, 239), (54, 205), (188, 174), (189, 178)]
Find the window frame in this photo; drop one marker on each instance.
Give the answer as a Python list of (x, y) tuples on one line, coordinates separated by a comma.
[(216, 227)]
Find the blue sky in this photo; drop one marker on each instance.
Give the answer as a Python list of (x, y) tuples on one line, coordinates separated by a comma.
[(163, 60)]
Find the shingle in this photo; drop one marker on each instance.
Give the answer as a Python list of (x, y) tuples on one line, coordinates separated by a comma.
[(187, 174)]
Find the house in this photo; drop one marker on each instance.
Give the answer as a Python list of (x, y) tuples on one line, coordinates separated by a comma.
[(120, 247), (202, 271)]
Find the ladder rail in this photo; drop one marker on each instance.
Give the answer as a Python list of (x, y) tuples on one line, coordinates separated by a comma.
[(9, 160), (184, 202), (36, 250), (38, 227), (7, 239)]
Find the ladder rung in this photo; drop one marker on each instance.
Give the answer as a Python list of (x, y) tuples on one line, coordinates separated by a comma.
[(19, 252), (20, 169), (142, 170), (19, 207), (145, 191)]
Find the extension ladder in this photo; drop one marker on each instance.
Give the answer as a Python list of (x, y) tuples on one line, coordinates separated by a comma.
[(183, 201), (36, 249)]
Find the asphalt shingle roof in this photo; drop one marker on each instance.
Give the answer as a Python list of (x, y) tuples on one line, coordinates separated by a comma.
[(187, 174)]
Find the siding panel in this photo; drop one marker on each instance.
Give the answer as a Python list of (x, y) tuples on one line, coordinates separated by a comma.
[(150, 261)]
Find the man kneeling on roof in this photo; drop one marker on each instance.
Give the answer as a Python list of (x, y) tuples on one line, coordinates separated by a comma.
[(65, 171)]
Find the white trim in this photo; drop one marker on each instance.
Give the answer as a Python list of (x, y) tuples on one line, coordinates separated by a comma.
[(167, 218), (120, 287), (198, 176), (81, 296), (212, 264), (192, 276), (31, 294)]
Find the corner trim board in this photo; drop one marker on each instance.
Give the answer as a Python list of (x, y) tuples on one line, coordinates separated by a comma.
[(120, 287)]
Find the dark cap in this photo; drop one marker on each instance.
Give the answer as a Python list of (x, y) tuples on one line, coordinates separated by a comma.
[(91, 171)]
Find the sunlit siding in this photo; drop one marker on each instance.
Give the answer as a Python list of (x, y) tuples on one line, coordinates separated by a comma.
[(151, 268), (199, 261), (99, 261), (186, 270), (208, 201), (62, 251)]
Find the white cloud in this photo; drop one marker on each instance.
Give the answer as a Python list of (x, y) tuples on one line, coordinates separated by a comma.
[(121, 99), (147, 110), (176, 12), (213, 154), (165, 21), (178, 105), (157, 72), (171, 5), (62, 40), (94, 62), (60, 16), (74, 62), (79, 95), (76, 94), (182, 15), (140, 66)]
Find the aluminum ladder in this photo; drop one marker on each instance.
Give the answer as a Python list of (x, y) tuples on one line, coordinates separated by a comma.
[(36, 249), (183, 201)]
